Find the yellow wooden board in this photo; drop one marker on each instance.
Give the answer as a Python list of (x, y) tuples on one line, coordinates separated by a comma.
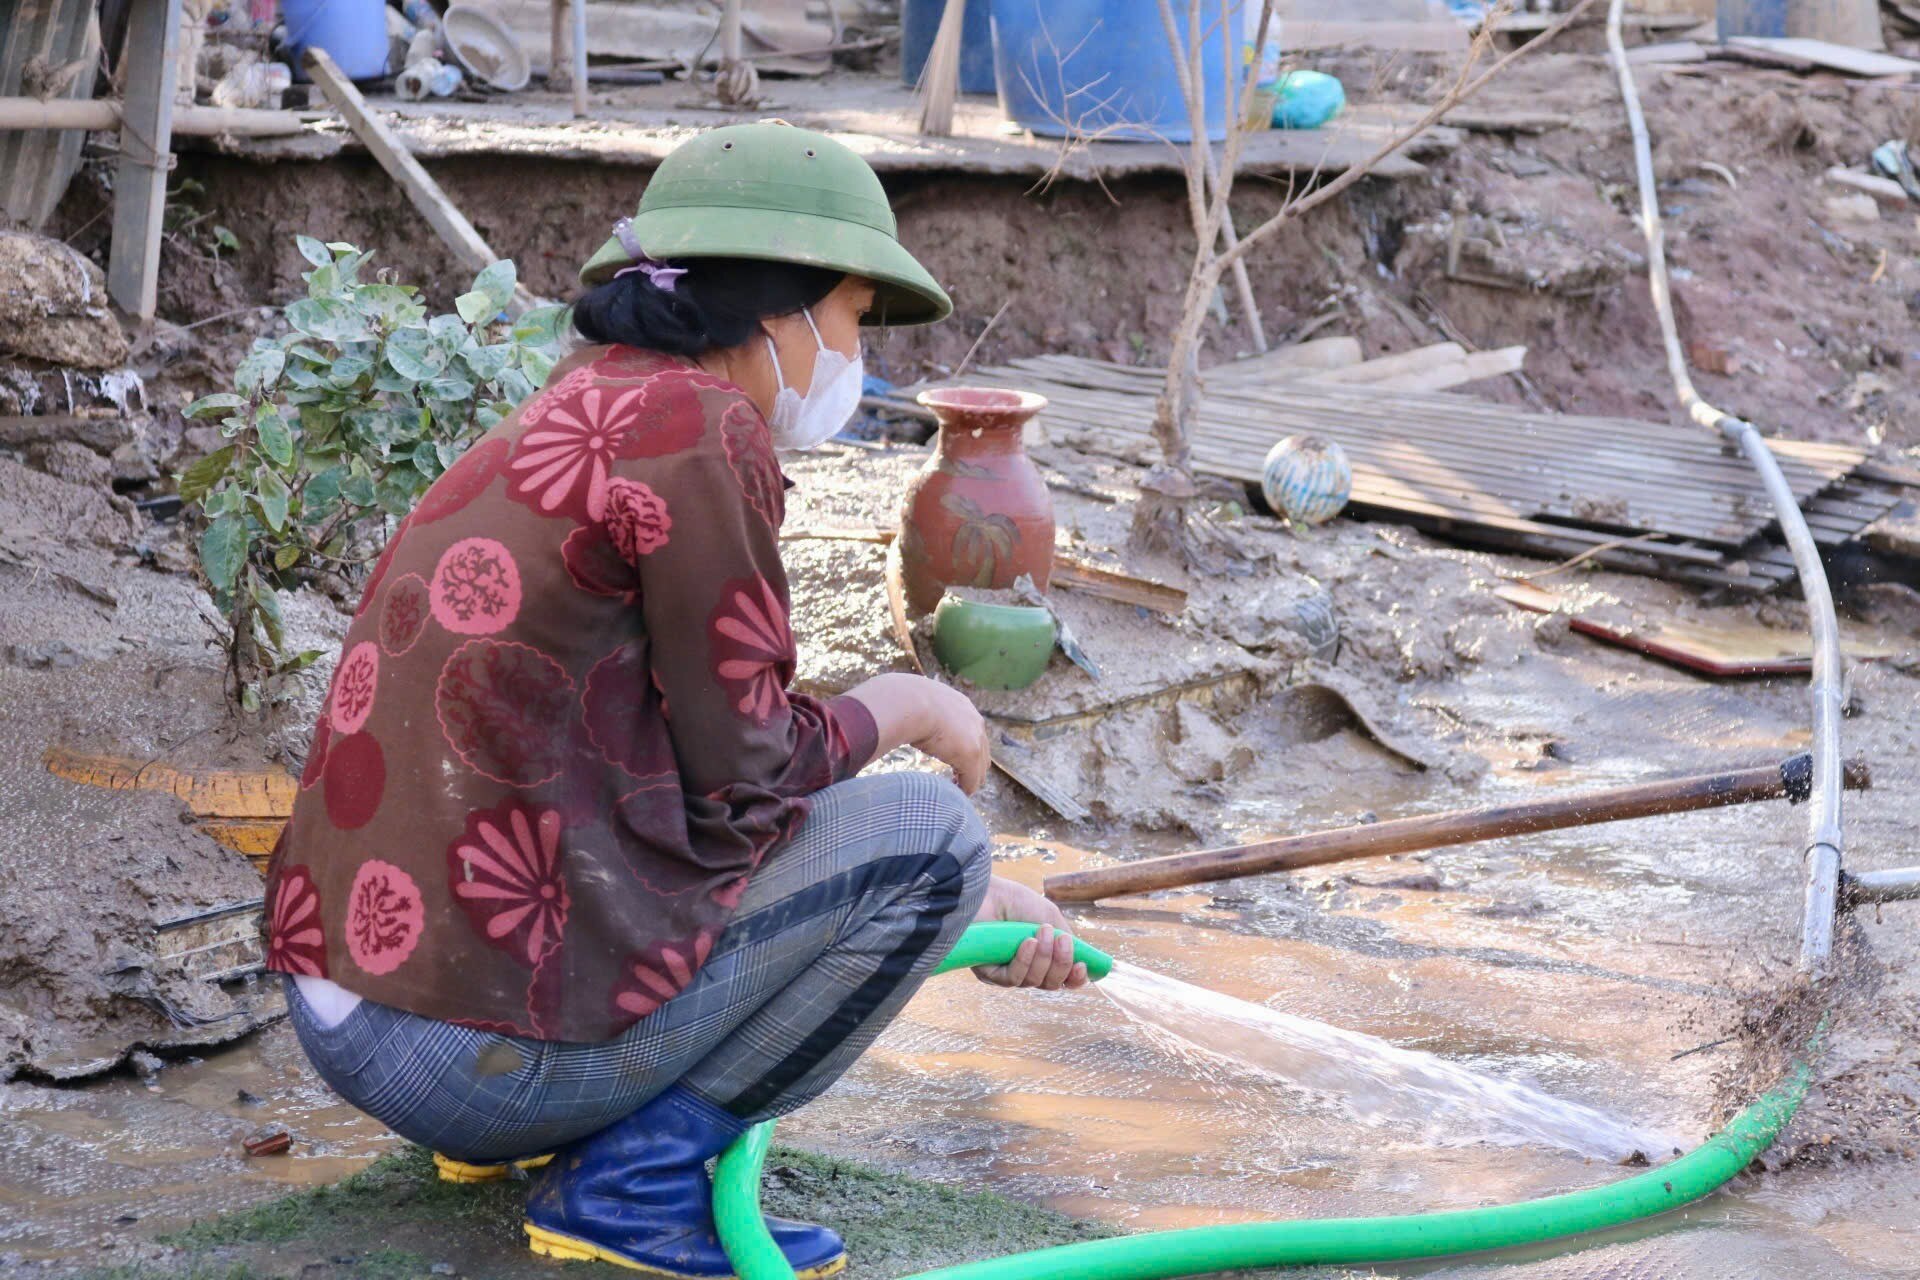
[(213, 793), (244, 810)]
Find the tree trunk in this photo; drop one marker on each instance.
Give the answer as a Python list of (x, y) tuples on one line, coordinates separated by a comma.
[(1159, 522)]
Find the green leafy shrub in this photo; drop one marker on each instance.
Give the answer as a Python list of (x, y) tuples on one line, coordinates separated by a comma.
[(333, 431)]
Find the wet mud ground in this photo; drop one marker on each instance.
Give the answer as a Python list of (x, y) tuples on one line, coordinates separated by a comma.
[(1601, 964)]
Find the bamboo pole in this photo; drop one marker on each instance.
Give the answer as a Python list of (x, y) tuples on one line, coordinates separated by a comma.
[(1433, 831)]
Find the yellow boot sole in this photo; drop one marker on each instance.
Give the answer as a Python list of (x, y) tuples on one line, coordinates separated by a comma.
[(551, 1244), (451, 1170)]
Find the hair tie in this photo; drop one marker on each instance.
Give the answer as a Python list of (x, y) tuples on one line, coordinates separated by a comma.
[(662, 275)]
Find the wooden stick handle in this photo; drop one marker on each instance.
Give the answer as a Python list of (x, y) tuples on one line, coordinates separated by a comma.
[(1432, 831)]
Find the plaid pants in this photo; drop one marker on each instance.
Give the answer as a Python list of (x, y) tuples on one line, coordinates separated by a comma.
[(835, 932)]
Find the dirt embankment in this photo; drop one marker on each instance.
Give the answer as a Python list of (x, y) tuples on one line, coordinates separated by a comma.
[(1795, 308)]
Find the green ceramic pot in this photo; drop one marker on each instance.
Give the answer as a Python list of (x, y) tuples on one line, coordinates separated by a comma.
[(995, 646)]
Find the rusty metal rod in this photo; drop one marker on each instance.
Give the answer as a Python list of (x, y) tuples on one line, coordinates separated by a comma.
[(1791, 779)]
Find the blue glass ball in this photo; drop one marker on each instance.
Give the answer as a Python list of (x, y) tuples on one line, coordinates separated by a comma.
[(1307, 479)]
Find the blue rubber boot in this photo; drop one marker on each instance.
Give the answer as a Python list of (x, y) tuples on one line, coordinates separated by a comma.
[(637, 1194)]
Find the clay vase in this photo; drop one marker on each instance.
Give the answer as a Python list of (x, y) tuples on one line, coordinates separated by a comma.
[(978, 514)]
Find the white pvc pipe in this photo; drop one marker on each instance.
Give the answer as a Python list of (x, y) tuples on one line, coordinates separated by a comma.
[(1822, 857), (1899, 885), (103, 115)]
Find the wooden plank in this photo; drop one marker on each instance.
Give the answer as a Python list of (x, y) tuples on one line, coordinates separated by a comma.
[(1477, 119), (420, 189), (1289, 362), (1076, 574), (1385, 367), (146, 145), (1474, 367), (1834, 57), (1885, 190), (1675, 51)]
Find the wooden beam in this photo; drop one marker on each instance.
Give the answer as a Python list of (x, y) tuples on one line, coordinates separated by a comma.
[(419, 187), (1438, 831), (1835, 57), (146, 146), (559, 66)]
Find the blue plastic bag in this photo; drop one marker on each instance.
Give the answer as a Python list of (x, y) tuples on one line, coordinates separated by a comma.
[(1307, 100)]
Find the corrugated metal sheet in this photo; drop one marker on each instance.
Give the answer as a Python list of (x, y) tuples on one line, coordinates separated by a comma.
[(1511, 477), (36, 166)]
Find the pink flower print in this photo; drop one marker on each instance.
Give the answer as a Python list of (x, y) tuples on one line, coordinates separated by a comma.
[(476, 587), (562, 464), (464, 481), (557, 394), (595, 565), (507, 710), (355, 780), (621, 707), (296, 942), (650, 978), (353, 687), (752, 647), (505, 870), (403, 615), (749, 448), (637, 520), (384, 917)]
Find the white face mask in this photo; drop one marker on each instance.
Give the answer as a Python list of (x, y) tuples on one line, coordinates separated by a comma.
[(805, 422)]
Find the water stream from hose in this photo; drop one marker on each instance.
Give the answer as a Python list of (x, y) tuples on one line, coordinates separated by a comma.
[(1380, 1083)]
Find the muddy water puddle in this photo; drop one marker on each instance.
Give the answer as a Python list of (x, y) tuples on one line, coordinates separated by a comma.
[(1579, 964), (120, 1159)]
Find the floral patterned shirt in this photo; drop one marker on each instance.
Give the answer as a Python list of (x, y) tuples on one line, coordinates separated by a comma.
[(559, 739)]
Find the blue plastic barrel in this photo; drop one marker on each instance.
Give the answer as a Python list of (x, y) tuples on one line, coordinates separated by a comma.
[(353, 32), (920, 19), (1070, 68), (1751, 18)]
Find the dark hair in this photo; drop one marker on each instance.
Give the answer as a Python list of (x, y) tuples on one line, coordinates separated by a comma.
[(719, 302)]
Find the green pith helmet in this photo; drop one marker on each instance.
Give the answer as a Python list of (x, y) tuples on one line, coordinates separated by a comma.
[(777, 192)]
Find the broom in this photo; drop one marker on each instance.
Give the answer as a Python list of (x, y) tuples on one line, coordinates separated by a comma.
[(940, 78)]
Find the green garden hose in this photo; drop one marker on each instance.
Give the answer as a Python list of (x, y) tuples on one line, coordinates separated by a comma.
[(1313, 1242)]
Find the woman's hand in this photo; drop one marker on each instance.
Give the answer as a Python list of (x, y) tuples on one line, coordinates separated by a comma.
[(1045, 960), (955, 733), (931, 717)]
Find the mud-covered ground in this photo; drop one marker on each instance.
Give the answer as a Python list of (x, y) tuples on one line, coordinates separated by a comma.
[(1626, 967), (1640, 968)]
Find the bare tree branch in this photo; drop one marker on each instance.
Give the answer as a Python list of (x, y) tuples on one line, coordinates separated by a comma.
[(1453, 98), (1196, 117)]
